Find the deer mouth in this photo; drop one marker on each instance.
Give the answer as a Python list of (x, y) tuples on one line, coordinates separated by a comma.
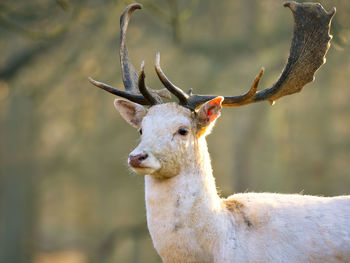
[(143, 170), (138, 167)]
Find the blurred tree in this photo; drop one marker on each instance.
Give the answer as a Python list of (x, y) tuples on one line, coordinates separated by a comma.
[(18, 201), (14, 17), (172, 14), (20, 130)]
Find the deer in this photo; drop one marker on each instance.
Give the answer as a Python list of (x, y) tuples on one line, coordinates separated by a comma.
[(187, 219)]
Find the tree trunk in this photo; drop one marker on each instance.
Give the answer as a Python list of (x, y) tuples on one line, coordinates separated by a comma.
[(17, 195)]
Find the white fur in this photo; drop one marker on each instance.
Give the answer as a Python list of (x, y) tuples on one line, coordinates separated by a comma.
[(189, 222)]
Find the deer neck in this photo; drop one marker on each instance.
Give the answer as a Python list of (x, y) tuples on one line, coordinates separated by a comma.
[(180, 209)]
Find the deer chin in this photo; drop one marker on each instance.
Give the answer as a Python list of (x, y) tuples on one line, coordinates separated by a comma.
[(157, 172), (144, 170)]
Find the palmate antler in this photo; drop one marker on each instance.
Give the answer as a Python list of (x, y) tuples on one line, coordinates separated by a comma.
[(310, 43)]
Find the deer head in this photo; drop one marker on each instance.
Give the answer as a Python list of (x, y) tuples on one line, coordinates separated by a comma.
[(169, 135), (171, 131)]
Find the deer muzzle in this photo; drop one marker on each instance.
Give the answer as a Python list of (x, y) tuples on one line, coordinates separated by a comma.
[(143, 162)]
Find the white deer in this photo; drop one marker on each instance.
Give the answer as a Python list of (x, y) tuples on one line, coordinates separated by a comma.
[(187, 219)]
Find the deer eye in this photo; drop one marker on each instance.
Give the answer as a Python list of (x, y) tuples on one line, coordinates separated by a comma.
[(183, 131), (140, 131)]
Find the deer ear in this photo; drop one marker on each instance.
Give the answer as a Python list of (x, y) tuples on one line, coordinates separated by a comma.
[(208, 113), (132, 112)]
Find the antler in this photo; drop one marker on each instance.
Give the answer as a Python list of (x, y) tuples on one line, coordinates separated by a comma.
[(133, 82), (191, 101), (310, 43)]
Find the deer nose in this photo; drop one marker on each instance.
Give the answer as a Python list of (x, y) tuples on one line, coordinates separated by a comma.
[(136, 160)]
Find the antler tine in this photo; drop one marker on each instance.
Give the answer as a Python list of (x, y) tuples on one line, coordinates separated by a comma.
[(121, 93), (246, 98), (182, 96), (194, 100), (129, 73), (310, 44), (143, 89)]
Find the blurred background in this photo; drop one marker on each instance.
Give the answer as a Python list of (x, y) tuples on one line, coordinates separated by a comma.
[(66, 193)]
